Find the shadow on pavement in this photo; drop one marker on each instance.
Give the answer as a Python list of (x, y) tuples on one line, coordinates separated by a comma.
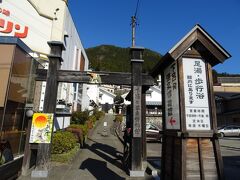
[(99, 169), (155, 162), (231, 167), (107, 153)]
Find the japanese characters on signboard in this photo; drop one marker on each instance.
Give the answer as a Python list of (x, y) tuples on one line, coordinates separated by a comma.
[(196, 94), (41, 130), (9, 27), (137, 117), (172, 119)]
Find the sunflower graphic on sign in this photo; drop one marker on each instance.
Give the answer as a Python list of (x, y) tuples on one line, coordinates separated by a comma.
[(41, 130)]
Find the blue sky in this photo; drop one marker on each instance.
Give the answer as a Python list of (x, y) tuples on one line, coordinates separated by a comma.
[(161, 24)]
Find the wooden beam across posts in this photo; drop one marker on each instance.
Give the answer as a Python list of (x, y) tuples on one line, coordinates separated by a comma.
[(50, 100), (190, 148), (136, 169), (97, 77)]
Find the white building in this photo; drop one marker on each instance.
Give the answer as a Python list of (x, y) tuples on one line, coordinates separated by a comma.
[(154, 100), (37, 22), (106, 97), (93, 95)]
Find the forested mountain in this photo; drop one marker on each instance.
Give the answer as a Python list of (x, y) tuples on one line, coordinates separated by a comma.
[(117, 59)]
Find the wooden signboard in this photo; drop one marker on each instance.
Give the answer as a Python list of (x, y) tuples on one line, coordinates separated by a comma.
[(190, 148)]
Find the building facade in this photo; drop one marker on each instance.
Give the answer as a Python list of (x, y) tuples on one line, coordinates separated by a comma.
[(33, 23), (227, 95)]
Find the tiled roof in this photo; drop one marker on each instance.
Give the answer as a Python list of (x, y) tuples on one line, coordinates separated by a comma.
[(228, 79)]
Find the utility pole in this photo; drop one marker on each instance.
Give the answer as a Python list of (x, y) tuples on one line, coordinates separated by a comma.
[(133, 23)]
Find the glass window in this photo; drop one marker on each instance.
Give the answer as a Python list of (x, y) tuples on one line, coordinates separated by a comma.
[(19, 93)]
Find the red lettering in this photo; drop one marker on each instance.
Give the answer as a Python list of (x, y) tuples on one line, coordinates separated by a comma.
[(9, 27), (17, 27), (22, 34), (6, 12), (2, 22)]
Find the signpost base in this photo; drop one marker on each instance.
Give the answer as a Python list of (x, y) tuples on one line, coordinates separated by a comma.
[(39, 174), (136, 173)]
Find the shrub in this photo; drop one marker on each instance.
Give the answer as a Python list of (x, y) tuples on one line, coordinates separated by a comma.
[(118, 118), (65, 157), (83, 127), (89, 124), (92, 118), (98, 114), (63, 142), (79, 117)]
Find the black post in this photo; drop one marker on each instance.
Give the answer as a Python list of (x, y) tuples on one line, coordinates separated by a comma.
[(136, 109), (27, 150), (50, 100)]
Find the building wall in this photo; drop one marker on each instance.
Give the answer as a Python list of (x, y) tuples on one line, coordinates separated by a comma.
[(155, 96), (93, 92), (76, 60), (106, 98), (45, 23)]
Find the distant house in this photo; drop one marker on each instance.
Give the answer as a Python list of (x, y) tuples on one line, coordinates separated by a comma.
[(227, 84), (227, 95), (228, 108), (100, 97), (154, 100), (106, 96), (93, 95)]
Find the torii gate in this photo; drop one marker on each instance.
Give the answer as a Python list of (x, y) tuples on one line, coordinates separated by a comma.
[(136, 79), (190, 139)]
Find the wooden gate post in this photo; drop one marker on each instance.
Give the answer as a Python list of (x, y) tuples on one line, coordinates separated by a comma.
[(136, 168), (50, 100), (190, 142), (144, 143)]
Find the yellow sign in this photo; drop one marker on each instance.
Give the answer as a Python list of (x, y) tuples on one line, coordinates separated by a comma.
[(41, 130)]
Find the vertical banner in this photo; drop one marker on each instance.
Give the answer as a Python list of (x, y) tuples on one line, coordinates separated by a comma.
[(196, 94), (171, 95), (137, 116), (41, 131)]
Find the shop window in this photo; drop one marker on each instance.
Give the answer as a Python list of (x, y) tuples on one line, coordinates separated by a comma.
[(19, 92)]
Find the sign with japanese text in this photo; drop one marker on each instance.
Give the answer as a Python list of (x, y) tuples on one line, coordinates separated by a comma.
[(41, 131), (172, 119), (196, 94), (8, 26), (20, 19), (137, 116)]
